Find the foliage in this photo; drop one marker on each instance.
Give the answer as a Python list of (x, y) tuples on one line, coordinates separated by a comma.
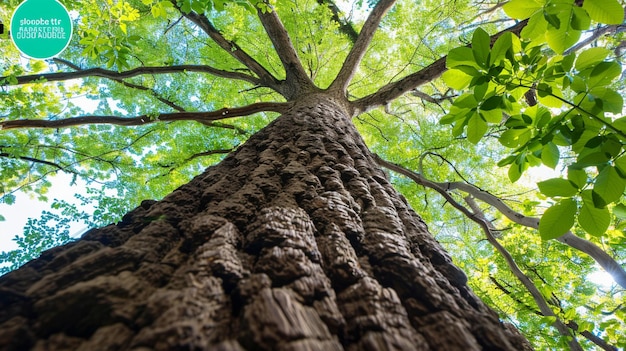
[(576, 104), (550, 95)]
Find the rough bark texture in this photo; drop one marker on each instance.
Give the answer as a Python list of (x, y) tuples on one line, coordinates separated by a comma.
[(297, 241)]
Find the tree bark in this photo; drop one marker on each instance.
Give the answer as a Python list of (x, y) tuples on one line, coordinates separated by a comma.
[(296, 241)]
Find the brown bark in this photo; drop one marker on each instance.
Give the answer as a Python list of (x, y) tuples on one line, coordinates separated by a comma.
[(296, 241)]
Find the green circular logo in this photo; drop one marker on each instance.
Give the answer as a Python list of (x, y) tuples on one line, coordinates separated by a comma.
[(41, 28)]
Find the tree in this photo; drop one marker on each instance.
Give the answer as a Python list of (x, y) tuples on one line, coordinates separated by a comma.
[(297, 239)]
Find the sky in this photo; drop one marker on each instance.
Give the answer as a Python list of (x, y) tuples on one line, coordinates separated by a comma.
[(26, 206)]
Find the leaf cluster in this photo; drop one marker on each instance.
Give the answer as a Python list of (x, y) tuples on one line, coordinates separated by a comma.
[(548, 109)]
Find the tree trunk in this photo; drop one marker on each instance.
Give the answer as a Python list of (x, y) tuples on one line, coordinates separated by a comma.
[(296, 241)]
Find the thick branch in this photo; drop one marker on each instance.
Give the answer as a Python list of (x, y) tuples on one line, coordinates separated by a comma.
[(266, 78), (601, 343), (201, 117), (429, 73), (351, 64), (296, 76), (600, 256), (103, 73)]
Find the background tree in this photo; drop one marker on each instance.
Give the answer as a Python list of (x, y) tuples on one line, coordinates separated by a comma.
[(154, 65)]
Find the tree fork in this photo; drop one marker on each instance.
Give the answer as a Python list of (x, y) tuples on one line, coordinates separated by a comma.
[(296, 241)]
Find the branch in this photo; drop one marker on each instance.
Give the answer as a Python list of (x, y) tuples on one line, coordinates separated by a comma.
[(479, 217), (595, 34), (158, 96), (173, 167), (266, 78), (571, 324), (68, 167), (488, 229), (296, 76), (351, 64), (601, 343), (429, 73), (212, 124), (154, 93), (201, 117), (208, 153), (129, 85), (344, 26), (36, 160), (103, 73), (600, 256)]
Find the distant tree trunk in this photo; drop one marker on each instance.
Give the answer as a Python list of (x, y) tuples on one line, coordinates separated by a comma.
[(296, 241)]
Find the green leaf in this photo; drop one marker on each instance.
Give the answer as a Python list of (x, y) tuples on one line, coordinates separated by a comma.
[(549, 95), (461, 56), (591, 57), (620, 211), (580, 19), (604, 11), (550, 155), (607, 99), (476, 128), (458, 128), (492, 116), (593, 220), (536, 28), (609, 185), (506, 161), (465, 101), (480, 90), (491, 103), (449, 118), (515, 172), (518, 167), (500, 48), (558, 219), (552, 19), (591, 159), (469, 70), (577, 176), (555, 187), (522, 9), (562, 38), (456, 79), (480, 46), (604, 73), (515, 137)]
